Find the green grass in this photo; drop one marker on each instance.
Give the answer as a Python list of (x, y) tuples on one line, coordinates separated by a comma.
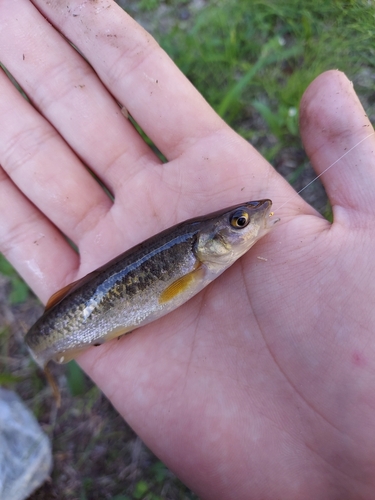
[(19, 290), (255, 59)]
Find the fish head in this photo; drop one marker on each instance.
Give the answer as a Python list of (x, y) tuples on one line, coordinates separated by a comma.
[(229, 234)]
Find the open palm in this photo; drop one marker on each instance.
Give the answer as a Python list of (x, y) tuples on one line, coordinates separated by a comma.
[(262, 386)]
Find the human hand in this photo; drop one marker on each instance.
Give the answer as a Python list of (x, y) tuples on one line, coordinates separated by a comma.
[(262, 385)]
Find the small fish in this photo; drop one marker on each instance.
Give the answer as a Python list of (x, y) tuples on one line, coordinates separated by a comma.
[(146, 282)]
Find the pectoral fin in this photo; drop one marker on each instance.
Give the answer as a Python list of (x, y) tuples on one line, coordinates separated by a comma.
[(182, 285)]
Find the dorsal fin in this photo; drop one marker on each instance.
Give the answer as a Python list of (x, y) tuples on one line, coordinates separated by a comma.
[(66, 290), (59, 295)]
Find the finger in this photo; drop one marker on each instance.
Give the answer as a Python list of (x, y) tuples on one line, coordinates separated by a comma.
[(137, 71), (41, 164), (334, 123), (211, 167), (68, 93), (32, 244), (205, 151)]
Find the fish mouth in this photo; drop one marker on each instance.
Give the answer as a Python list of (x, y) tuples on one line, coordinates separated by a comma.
[(263, 208), (270, 220)]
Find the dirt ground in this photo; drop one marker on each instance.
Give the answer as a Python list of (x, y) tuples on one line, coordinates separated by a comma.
[(96, 455)]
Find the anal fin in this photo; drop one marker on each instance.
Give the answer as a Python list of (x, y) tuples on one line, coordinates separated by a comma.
[(116, 332), (63, 357)]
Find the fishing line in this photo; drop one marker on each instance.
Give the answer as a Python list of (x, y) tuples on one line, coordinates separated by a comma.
[(324, 171)]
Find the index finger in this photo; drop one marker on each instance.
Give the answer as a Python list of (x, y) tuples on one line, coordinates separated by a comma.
[(169, 109), (137, 71)]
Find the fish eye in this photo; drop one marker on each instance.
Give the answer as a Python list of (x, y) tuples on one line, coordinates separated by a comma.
[(239, 219)]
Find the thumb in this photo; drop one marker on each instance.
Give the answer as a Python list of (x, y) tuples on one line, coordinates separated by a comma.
[(337, 134)]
